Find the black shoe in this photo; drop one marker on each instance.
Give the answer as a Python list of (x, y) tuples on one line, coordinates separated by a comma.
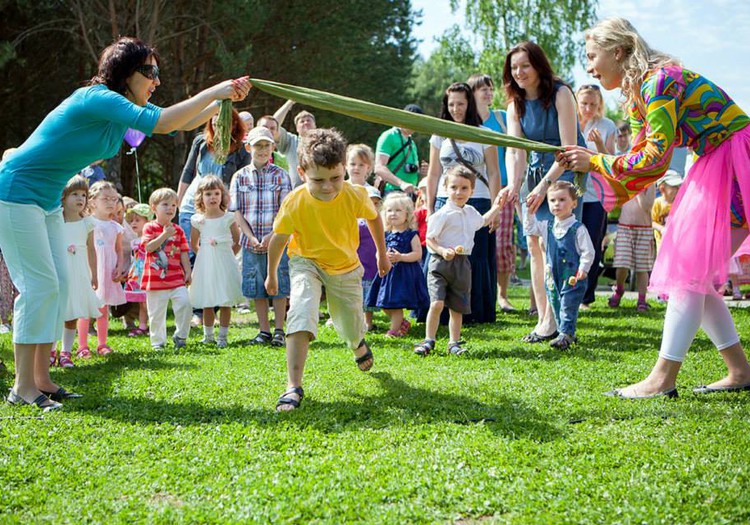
[(704, 389)]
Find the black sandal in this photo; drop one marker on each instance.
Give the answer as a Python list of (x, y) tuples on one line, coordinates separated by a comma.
[(563, 342), (364, 358), (424, 348), (534, 337), (61, 395), (278, 339), (286, 400), (456, 348), (263, 338)]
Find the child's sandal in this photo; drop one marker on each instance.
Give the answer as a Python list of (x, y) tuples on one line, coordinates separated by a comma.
[(363, 359), (263, 338), (104, 350), (405, 327), (456, 348), (278, 339), (424, 348), (285, 398), (84, 353)]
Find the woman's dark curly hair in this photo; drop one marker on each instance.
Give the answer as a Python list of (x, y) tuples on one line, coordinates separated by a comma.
[(119, 61)]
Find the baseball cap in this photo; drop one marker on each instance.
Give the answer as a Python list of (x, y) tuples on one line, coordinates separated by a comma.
[(670, 178), (259, 134), (373, 192), (140, 209)]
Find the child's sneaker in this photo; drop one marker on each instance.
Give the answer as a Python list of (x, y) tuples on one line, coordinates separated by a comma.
[(179, 342), (65, 360), (221, 342), (158, 347), (52, 358), (456, 348), (207, 340)]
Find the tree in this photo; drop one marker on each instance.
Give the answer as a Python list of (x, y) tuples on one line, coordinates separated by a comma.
[(553, 24)]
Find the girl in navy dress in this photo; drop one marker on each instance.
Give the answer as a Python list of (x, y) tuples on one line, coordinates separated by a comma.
[(404, 286)]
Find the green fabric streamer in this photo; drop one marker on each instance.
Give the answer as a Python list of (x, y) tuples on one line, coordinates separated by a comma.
[(370, 112)]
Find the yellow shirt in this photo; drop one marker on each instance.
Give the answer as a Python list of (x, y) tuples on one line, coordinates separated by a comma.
[(325, 231), (659, 214)]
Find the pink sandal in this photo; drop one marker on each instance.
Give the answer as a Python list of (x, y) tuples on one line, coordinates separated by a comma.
[(136, 332), (65, 360), (84, 353), (392, 333), (405, 327), (52, 358), (104, 350)]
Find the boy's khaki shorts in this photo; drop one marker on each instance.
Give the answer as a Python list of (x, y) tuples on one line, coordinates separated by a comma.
[(343, 293)]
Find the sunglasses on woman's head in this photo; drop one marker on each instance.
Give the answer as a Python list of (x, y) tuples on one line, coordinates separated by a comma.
[(149, 71)]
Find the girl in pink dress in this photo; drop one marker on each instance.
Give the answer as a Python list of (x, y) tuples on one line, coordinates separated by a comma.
[(108, 243)]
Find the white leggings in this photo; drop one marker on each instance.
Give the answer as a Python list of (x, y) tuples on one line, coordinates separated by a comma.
[(688, 311)]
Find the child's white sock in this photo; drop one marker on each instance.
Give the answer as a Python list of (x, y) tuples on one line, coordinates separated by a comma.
[(69, 336), (208, 333), (223, 332)]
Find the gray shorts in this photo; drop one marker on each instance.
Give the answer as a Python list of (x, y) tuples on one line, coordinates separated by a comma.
[(450, 281)]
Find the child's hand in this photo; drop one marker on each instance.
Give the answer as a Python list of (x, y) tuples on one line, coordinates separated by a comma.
[(272, 285), (116, 274), (394, 256), (188, 277), (265, 241), (448, 254), (169, 230), (256, 244), (581, 275), (94, 282), (384, 264)]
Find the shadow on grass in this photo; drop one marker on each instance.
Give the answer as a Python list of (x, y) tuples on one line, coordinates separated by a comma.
[(394, 404)]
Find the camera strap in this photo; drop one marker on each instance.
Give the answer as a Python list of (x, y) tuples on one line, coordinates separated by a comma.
[(466, 164), (400, 165)]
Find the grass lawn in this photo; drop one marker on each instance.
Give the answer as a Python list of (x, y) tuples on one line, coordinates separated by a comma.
[(510, 432)]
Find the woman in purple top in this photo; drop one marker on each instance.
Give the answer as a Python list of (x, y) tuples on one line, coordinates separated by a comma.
[(87, 126)]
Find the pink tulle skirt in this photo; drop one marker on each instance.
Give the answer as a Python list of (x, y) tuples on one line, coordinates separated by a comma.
[(696, 248)]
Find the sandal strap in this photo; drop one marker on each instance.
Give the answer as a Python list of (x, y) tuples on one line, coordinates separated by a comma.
[(286, 400)]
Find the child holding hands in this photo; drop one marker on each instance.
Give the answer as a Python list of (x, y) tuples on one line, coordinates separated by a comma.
[(108, 243), (404, 286), (166, 271), (215, 239), (450, 239), (569, 255), (137, 217), (321, 218)]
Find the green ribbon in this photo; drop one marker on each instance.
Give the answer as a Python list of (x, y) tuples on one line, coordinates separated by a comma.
[(378, 114)]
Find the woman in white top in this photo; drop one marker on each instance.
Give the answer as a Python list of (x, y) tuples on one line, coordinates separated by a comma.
[(599, 132), (459, 106)]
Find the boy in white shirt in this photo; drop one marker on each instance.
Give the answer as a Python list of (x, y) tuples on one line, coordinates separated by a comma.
[(569, 255), (450, 239)]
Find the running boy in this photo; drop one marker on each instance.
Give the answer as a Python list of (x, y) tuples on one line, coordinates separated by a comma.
[(321, 216), (450, 239)]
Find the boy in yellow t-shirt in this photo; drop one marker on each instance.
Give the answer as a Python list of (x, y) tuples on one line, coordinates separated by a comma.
[(321, 216)]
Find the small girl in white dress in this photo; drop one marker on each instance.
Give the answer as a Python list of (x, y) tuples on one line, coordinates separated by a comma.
[(80, 255), (215, 239)]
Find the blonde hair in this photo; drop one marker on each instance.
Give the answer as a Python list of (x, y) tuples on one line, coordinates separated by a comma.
[(77, 183), (639, 58), (99, 187), (211, 182), (399, 198), (128, 202), (595, 90), (162, 195), (362, 151)]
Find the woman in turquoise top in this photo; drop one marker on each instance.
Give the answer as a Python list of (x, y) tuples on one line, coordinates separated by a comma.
[(87, 126)]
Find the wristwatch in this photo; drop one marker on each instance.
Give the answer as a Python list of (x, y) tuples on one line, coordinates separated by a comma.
[(548, 181)]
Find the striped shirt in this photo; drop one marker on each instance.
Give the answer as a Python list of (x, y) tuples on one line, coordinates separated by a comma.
[(162, 269), (257, 194)]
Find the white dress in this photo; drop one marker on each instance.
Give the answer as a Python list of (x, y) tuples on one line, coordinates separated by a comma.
[(81, 301), (216, 275)]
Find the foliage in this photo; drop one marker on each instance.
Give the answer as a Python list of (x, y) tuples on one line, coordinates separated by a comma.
[(512, 433), (361, 48)]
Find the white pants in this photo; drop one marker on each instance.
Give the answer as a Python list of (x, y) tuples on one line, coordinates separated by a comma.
[(157, 301), (34, 250)]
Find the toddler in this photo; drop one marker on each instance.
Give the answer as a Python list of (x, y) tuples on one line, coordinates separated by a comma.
[(137, 217), (668, 186)]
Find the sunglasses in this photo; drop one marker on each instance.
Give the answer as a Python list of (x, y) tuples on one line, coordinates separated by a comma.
[(590, 86), (149, 71)]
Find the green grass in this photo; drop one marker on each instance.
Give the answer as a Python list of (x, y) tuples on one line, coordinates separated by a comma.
[(509, 433)]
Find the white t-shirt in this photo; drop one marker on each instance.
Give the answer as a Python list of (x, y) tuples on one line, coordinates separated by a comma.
[(472, 152), (606, 129), (452, 226)]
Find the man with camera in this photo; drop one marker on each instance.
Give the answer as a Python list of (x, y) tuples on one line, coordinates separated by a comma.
[(396, 158)]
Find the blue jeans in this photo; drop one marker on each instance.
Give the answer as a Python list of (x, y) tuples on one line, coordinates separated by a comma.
[(184, 222)]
